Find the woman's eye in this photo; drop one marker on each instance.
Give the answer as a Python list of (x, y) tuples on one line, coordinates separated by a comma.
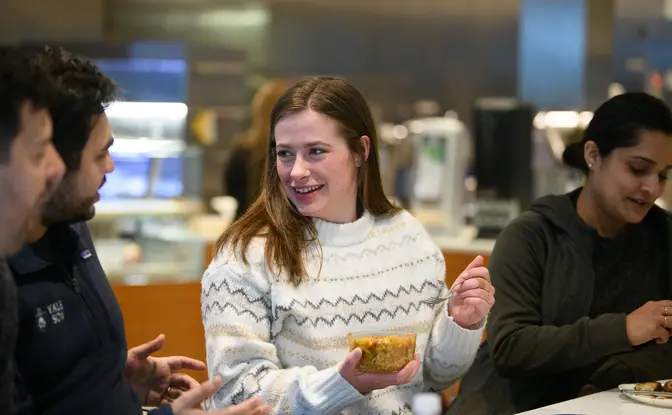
[(638, 171), (317, 151), (283, 154)]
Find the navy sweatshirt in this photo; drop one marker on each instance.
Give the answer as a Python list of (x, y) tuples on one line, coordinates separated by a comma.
[(71, 348)]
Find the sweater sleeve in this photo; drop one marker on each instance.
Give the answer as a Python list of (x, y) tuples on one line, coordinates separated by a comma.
[(451, 349), (520, 344), (237, 316)]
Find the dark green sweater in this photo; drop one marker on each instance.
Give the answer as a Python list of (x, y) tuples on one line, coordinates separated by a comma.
[(559, 318)]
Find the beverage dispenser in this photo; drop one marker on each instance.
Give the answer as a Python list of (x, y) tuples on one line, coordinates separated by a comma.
[(440, 147)]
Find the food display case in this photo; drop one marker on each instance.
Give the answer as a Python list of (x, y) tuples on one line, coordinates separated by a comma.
[(150, 231), (141, 226)]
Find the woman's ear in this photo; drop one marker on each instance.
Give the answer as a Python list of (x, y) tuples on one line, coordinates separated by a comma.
[(591, 153), (366, 146)]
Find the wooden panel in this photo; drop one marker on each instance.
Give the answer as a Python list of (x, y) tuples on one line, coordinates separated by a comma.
[(171, 309), (456, 262)]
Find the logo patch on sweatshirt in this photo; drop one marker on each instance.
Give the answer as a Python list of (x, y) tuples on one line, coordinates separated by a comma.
[(86, 254), (53, 313)]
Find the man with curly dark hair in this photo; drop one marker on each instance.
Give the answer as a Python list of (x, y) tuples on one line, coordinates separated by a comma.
[(29, 167), (71, 355)]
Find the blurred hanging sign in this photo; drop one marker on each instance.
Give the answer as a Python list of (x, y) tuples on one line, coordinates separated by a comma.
[(204, 127)]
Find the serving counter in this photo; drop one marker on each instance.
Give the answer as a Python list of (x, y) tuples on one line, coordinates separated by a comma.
[(604, 403)]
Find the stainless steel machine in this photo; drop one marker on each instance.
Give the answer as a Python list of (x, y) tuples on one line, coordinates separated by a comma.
[(440, 151), (518, 158)]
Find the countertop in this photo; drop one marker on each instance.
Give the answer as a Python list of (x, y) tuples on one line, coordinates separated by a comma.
[(464, 242), (603, 403)]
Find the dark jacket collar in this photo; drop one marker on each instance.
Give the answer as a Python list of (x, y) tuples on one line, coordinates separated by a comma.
[(60, 239)]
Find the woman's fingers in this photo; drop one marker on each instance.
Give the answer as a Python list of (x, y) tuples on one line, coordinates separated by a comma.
[(480, 272)]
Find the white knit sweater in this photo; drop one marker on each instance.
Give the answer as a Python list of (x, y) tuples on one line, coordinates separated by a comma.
[(266, 337)]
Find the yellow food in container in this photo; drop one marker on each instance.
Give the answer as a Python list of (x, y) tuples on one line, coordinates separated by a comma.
[(383, 352)]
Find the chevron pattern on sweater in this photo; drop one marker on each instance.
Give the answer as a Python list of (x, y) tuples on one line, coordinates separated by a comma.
[(215, 305), (218, 285), (408, 264), (402, 410), (243, 393), (350, 318), (367, 252), (357, 299)]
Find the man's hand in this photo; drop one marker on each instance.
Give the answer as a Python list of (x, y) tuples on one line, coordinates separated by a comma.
[(190, 402), (153, 378)]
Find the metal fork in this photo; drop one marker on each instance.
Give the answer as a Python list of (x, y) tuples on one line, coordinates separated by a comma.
[(434, 301)]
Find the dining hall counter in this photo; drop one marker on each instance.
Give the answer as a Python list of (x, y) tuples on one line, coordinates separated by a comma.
[(171, 306), (610, 402)]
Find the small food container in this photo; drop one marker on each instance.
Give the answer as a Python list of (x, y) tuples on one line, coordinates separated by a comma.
[(383, 352)]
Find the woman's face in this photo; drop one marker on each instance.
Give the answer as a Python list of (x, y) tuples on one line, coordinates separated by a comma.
[(316, 167), (631, 179)]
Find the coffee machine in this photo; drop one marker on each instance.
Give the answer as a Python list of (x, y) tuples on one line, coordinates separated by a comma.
[(440, 152)]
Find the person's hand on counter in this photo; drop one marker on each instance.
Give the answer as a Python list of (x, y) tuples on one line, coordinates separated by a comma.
[(190, 402), (473, 295), (154, 379)]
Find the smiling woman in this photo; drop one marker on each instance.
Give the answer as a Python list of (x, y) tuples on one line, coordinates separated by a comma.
[(323, 253), (318, 175), (584, 280), (322, 162), (627, 154)]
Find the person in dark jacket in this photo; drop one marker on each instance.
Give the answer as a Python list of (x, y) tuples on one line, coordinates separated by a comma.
[(584, 280), (29, 168), (242, 177), (29, 165), (71, 354)]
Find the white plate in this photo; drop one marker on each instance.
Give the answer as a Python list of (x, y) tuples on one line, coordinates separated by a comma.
[(648, 400)]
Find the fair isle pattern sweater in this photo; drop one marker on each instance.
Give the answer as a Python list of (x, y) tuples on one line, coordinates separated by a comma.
[(266, 337)]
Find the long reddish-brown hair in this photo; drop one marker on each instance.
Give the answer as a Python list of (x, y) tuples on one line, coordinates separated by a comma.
[(272, 216)]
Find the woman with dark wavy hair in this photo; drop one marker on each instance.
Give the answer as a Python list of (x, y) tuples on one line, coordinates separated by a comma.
[(583, 279)]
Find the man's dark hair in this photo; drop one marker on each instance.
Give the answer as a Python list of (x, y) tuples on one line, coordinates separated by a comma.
[(21, 81), (82, 92)]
